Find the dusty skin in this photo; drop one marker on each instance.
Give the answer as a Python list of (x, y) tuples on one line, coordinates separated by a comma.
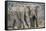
[(25, 15)]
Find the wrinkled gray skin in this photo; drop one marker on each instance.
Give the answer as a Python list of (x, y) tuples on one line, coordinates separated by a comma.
[(20, 15)]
